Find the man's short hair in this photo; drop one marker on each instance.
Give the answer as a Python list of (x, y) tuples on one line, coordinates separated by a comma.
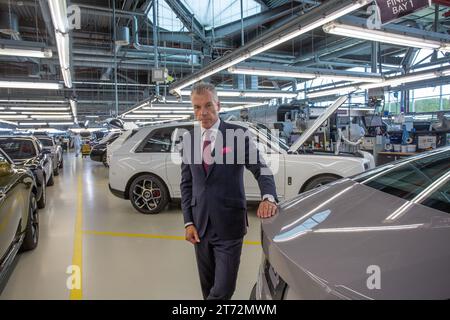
[(201, 87)]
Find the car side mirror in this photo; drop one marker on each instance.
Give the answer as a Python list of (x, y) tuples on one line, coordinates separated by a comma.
[(46, 151), (6, 168)]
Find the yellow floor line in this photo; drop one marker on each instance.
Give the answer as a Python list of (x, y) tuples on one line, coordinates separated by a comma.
[(77, 260), (147, 236)]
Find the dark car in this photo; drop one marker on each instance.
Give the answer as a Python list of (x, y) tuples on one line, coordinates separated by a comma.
[(19, 220), (98, 152), (55, 149), (383, 234), (27, 152)]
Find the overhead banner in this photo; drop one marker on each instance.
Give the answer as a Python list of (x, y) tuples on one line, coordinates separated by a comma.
[(394, 9)]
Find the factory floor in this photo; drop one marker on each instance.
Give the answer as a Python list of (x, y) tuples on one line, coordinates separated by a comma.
[(95, 246)]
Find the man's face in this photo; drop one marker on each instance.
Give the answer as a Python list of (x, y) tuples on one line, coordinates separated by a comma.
[(206, 110)]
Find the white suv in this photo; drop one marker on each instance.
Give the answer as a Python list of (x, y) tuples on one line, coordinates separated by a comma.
[(143, 169)]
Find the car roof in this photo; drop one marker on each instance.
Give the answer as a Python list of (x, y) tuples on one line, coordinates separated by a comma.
[(19, 137)]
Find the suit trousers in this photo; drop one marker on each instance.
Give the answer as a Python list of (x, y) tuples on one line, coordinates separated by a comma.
[(218, 264)]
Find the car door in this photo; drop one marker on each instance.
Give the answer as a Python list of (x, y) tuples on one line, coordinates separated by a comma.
[(12, 204), (45, 160), (173, 160), (151, 154)]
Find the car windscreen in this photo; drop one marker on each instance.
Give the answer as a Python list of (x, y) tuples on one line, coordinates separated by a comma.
[(46, 142), (18, 149), (409, 178)]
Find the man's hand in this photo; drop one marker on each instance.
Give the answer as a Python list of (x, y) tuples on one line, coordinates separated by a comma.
[(191, 234), (266, 209)]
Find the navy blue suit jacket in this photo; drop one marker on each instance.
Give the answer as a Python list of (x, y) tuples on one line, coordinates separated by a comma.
[(218, 196)]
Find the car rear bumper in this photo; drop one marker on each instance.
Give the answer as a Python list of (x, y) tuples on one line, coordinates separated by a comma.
[(97, 155), (117, 193)]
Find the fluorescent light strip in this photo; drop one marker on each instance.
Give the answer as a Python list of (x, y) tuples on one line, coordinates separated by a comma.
[(58, 11), (163, 111), (33, 101), (39, 109), (253, 94), (60, 123), (382, 36), (44, 53), (32, 123), (320, 21), (51, 117), (387, 82), (7, 112), (134, 116), (46, 113), (13, 117), (304, 75), (30, 85)]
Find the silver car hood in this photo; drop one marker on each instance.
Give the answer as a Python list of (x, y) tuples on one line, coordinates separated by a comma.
[(326, 243)]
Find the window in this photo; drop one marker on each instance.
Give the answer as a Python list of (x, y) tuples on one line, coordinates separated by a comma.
[(46, 142), (18, 149), (439, 200), (409, 178), (158, 140)]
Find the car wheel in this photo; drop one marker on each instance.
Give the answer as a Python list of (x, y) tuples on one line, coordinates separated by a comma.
[(319, 181), (51, 181), (32, 230), (148, 194), (43, 199), (56, 171), (105, 163), (253, 293)]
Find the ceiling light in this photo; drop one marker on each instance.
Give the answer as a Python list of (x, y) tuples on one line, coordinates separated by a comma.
[(252, 94), (13, 117), (39, 108), (304, 75), (33, 101), (401, 80), (60, 123), (45, 113), (164, 111), (51, 117), (62, 41), (58, 11), (259, 45), (30, 85), (32, 123), (44, 53), (73, 106), (381, 36)]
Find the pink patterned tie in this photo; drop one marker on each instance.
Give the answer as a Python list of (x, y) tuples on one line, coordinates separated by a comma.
[(207, 158)]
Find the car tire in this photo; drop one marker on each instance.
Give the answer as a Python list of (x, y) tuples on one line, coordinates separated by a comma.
[(319, 181), (253, 293), (56, 171), (32, 229), (148, 194), (51, 181), (104, 160), (43, 199)]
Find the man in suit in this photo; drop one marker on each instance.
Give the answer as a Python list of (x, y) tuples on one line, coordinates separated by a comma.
[(213, 195)]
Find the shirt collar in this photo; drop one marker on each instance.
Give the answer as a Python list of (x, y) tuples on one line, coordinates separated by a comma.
[(213, 128)]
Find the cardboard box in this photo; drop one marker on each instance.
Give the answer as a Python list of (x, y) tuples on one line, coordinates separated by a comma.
[(426, 142)]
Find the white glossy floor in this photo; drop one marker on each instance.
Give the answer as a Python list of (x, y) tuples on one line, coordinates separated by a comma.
[(123, 254)]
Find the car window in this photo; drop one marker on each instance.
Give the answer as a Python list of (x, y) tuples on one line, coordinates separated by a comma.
[(408, 178), (3, 158), (46, 142), (18, 149), (439, 200), (158, 140)]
